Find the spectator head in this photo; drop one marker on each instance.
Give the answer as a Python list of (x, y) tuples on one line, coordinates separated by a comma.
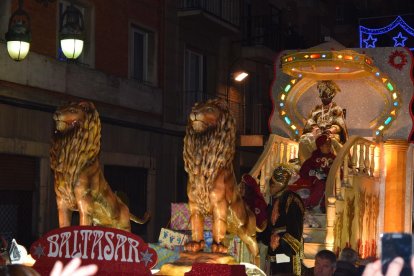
[(17, 270), (325, 263), (348, 255)]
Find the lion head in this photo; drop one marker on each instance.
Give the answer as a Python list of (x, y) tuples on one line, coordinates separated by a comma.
[(76, 139), (209, 146)]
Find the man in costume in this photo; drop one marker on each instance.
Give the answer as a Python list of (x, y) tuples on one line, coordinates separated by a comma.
[(283, 234), (327, 118), (314, 172)]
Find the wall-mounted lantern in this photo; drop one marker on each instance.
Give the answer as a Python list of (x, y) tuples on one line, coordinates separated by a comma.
[(18, 35), (71, 32)]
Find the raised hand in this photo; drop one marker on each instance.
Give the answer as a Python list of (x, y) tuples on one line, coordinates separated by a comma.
[(73, 268)]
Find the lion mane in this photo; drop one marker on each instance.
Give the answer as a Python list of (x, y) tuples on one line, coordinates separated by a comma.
[(209, 152), (77, 148)]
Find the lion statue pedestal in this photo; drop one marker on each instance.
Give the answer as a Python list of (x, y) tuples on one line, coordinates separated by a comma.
[(186, 260)]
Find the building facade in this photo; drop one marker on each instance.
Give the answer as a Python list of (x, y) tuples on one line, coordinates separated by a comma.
[(144, 64)]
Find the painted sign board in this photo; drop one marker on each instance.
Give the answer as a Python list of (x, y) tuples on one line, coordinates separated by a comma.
[(116, 252)]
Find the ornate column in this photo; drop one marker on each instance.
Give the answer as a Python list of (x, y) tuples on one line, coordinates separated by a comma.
[(330, 221), (395, 154)]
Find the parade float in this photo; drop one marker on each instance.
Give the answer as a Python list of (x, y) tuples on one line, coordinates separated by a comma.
[(369, 187)]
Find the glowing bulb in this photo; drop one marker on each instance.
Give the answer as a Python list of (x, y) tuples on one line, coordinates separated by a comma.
[(240, 76), (18, 50), (71, 48), (287, 88), (287, 120)]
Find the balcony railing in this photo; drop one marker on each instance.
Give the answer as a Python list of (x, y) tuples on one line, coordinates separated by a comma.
[(226, 10), (262, 31)]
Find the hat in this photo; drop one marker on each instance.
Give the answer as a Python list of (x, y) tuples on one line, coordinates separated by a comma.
[(327, 88), (282, 175), (323, 139)]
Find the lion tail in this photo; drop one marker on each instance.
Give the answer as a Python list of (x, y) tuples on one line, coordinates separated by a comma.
[(138, 220)]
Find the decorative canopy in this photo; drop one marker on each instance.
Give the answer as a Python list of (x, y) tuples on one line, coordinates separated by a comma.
[(308, 67)]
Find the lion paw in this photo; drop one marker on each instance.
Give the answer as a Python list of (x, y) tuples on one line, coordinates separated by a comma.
[(218, 248), (194, 246)]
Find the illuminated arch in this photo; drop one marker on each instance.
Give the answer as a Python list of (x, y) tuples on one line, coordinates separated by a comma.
[(308, 67)]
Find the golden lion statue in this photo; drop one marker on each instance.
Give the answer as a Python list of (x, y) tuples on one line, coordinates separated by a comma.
[(79, 181), (209, 147)]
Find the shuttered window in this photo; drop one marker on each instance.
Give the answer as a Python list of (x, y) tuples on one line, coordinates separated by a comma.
[(18, 178)]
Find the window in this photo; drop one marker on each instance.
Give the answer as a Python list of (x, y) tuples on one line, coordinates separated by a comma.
[(19, 205), (5, 13), (87, 56), (193, 78), (340, 13), (143, 55)]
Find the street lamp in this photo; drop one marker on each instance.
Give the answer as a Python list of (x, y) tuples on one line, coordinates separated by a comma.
[(18, 35), (237, 76), (240, 76), (71, 32)]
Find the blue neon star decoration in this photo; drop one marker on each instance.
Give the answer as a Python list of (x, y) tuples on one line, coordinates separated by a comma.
[(399, 40), (146, 257), (370, 41), (39, 251)]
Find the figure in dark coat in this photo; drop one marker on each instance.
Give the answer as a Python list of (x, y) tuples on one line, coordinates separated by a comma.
[(283, 234)]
